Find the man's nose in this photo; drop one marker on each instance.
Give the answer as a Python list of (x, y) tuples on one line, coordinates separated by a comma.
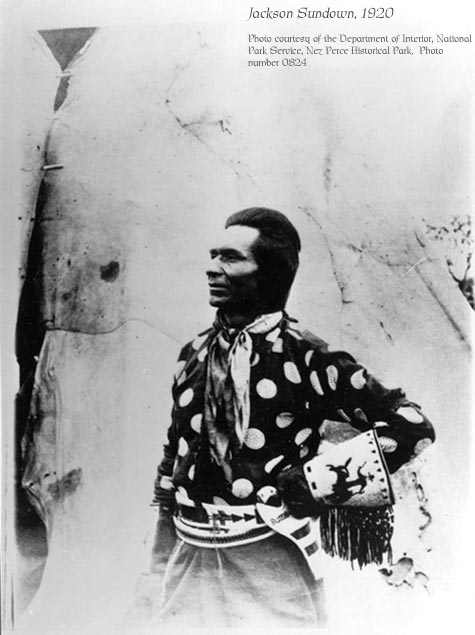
[(214, 268)]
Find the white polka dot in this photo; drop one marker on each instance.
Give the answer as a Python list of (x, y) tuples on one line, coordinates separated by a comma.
[(217, 500), (179, 368), (292, 373), (270, 465), (278, 346), (422, 445), (284, 419), (273, 335), (195, 422), (266, 388), (182, 447), (242, 488), (358, 380), (181, 379), (295, 334), (186, 397), (255, 359), (202, 354), (198, 341), (254, 439), (182, 491), (166, 482), (303, 452), (308, 357), (410, 414), (302, 435), (191, 473), (387, 444), (332, 376), (316, 383)]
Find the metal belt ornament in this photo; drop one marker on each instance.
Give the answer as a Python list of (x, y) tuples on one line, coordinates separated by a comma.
[(208, 525)]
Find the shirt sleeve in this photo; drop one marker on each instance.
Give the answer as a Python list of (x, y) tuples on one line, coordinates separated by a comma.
[(353, 393), (164, 491)]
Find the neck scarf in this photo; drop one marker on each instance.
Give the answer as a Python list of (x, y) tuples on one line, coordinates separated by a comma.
[(227, 399)]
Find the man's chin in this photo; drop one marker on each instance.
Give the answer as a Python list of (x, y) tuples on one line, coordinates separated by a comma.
[(217, 302)]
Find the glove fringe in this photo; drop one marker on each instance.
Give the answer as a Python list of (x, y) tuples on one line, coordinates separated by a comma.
[(358, 534)]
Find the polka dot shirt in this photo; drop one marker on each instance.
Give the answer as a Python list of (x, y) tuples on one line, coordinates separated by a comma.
[(296, 385)]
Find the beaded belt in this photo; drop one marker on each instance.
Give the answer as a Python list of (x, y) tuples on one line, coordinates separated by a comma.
[(209, 525)]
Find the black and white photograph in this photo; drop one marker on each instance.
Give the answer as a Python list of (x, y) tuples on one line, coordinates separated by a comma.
[(236, 317)]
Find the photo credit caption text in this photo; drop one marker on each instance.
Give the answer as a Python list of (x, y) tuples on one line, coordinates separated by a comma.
[(302, 50)]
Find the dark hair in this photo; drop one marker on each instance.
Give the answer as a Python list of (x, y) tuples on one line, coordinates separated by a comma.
[(276, 251)]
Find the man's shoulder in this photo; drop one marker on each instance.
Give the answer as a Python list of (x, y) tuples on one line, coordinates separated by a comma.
[(198, 343), (327, 353), (302, 334)]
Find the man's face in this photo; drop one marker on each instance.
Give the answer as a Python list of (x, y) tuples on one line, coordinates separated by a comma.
[(232, 272)]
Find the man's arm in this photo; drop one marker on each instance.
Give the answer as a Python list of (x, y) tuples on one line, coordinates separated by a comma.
[(164, 491), (402, 428), (164, 497), (354, 402)]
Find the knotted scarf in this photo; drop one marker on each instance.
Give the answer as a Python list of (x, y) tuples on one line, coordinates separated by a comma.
[(227, 399)]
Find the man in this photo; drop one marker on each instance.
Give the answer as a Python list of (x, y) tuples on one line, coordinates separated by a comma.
[(269, 427)]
